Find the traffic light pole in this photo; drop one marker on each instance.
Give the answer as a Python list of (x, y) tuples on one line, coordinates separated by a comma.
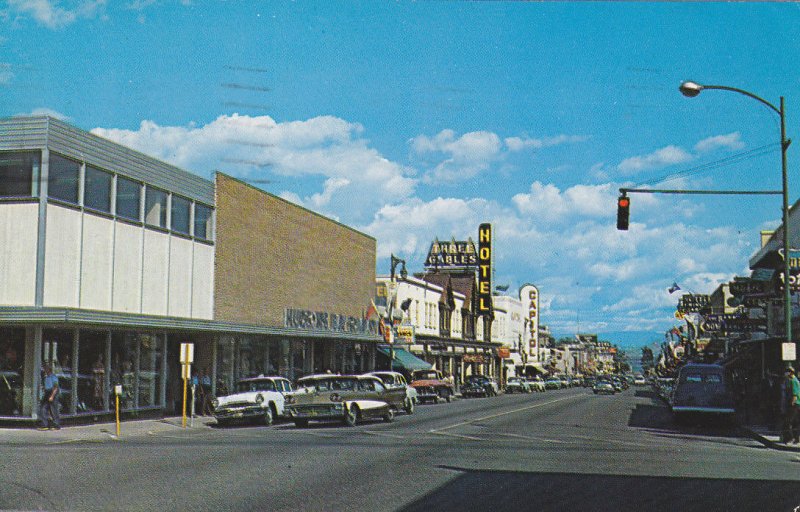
[(625, 191)]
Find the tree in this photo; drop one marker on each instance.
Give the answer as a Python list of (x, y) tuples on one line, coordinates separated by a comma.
[(648, 360)]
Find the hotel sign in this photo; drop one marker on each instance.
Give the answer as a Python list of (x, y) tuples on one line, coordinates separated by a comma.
[(452, 255), (693, 303), (485, 269)]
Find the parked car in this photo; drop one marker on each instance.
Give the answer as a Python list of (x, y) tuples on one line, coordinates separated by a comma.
[(479, 386), (431, 386), (260, 398), (345, 398), (537, 384), (398, 380), (518, 385), (603, 386), (702, 388), (638, 380), (553, 383)]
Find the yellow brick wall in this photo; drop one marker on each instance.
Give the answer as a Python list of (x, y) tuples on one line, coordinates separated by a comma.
[(272, 254)]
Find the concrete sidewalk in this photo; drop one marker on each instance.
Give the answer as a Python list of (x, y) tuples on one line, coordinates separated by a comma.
[(105, 432), (769, 437)]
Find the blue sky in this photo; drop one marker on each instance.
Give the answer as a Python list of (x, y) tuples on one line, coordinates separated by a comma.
[(411, 121)]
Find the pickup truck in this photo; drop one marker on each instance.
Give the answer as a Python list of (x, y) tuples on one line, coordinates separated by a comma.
[(431, 386)]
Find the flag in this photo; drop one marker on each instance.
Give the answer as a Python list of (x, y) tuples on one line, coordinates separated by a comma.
[(674, 288), (371, 310)]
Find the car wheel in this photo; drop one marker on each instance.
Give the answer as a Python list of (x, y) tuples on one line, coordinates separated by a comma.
[(268, 416), (408, 406), (301, 423), (388, 417), (351, 416)]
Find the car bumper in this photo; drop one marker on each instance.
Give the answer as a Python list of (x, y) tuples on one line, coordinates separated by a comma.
[(239, 412), (315, 412), (707, 410)]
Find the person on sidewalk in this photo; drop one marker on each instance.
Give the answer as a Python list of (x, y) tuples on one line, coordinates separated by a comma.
[(790, 407), (49, 408)]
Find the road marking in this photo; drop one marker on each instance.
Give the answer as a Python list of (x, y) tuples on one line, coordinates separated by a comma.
[(438, 430), (73, 441), (533, 438), (382, 434), (447, 434)]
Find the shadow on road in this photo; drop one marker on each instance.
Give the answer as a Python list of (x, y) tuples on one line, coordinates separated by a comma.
[(506, 490), (657, 418)]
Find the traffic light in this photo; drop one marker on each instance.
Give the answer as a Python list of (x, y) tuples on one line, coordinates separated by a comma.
[(623, 211)]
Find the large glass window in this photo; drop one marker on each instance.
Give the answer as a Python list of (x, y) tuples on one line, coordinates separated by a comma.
[(180, 214), (57, 351), (129, 195), (12, 368), (202, 221), (92, 390), (63, 179), (16, 173), (150, 358), (97, 190), (155, 212), (123, 367)]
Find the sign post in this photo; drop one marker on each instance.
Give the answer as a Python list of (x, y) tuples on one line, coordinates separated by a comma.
[(187, 358), (117, 392)]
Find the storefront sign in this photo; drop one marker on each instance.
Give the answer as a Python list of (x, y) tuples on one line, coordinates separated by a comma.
[(405, 334), (731, 323), (321, 321), (453, 254), (692, 303), (503, 352), (484, 269), (473, 358), (789, 351), (742, 287)]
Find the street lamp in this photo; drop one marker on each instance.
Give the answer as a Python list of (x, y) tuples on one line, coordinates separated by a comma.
[(390, 304), (690, 90)]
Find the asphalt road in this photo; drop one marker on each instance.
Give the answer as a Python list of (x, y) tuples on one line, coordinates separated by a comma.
[(560, 450)]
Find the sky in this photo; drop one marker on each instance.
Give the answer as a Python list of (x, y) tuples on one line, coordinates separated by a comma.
[(411, 121)]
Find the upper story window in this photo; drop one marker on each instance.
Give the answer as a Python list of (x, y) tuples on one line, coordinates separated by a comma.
[(202, 221), (16, 173), (129, 194), (97, 190), (181, 209), (155, 209), (63, 179)]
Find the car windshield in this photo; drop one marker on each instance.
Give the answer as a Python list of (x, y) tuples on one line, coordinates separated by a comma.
[(255, 385)]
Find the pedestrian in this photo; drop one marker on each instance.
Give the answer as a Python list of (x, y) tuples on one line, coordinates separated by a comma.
[(49, 407), (790, 407)]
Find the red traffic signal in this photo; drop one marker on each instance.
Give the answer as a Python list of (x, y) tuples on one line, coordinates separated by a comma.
[(623, 212)]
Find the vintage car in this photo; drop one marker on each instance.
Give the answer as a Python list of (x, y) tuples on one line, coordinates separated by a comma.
[(553, 383), (604, 387), (479, 386), (702, 389), (537, 384), (398, 380), (256, 398), (431, 386), (517, 385), (345, 398)]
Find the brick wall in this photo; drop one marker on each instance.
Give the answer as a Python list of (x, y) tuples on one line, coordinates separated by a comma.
[(272, 255)]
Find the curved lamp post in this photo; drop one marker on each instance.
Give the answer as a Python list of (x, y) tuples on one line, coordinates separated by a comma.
[(692, 89)]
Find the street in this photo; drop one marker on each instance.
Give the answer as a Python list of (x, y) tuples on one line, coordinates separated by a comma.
[(560, 450)]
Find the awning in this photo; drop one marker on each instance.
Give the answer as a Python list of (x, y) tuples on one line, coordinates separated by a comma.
[(404, 360), (536, 366)]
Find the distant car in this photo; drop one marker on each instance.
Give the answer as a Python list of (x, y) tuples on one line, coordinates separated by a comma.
[(553, 383), (638, 380), (344, 398), (517, 385), (431, 386), (703, 388), (257, 398), (537, 384), (479, 386), (398, 380), (605, 387)]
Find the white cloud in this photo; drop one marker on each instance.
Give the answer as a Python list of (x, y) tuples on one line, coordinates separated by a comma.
[(249, 147), (521, 143), (547, 202), (50, 13), (465, 156), (731, 141), (663, 157), (43, 111)]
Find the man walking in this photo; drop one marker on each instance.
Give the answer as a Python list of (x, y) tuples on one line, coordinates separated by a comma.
[(790, 406), (49, 409)]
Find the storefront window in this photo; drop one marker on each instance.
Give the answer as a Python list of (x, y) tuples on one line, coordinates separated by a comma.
[(16, 173), (97, 190), (92, 391), (64, 176), (298, 358), (150, 361), (12, 366), (57, 352), (225, 364), (123, 367)]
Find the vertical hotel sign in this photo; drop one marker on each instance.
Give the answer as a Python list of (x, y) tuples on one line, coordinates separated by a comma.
[(485, 269)]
